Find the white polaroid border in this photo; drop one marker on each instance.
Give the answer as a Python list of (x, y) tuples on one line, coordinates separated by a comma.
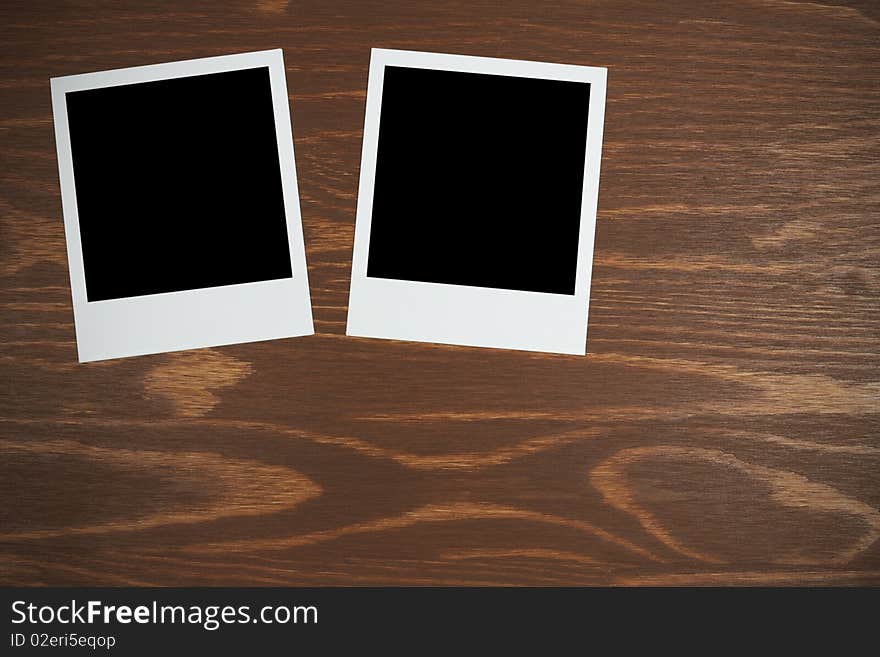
[(189, 319), (464, 315)]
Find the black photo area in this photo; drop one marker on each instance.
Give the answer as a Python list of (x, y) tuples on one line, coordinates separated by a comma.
[(178, 184), (479, 180)]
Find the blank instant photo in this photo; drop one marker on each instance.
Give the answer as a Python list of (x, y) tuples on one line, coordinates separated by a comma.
[(181, 209), (477, 201)]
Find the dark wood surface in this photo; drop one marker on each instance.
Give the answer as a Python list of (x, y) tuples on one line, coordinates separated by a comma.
[(723, 428)]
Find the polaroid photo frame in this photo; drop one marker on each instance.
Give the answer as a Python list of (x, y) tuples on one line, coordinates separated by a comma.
[(477, 202), (181, 208)]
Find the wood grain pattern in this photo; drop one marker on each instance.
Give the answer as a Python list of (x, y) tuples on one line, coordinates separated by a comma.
[(722, 430)]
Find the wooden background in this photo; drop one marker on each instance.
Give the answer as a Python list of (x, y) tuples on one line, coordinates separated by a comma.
[(723, 428)]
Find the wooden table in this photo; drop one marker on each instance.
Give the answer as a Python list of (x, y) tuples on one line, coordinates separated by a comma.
[(723, 428)]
